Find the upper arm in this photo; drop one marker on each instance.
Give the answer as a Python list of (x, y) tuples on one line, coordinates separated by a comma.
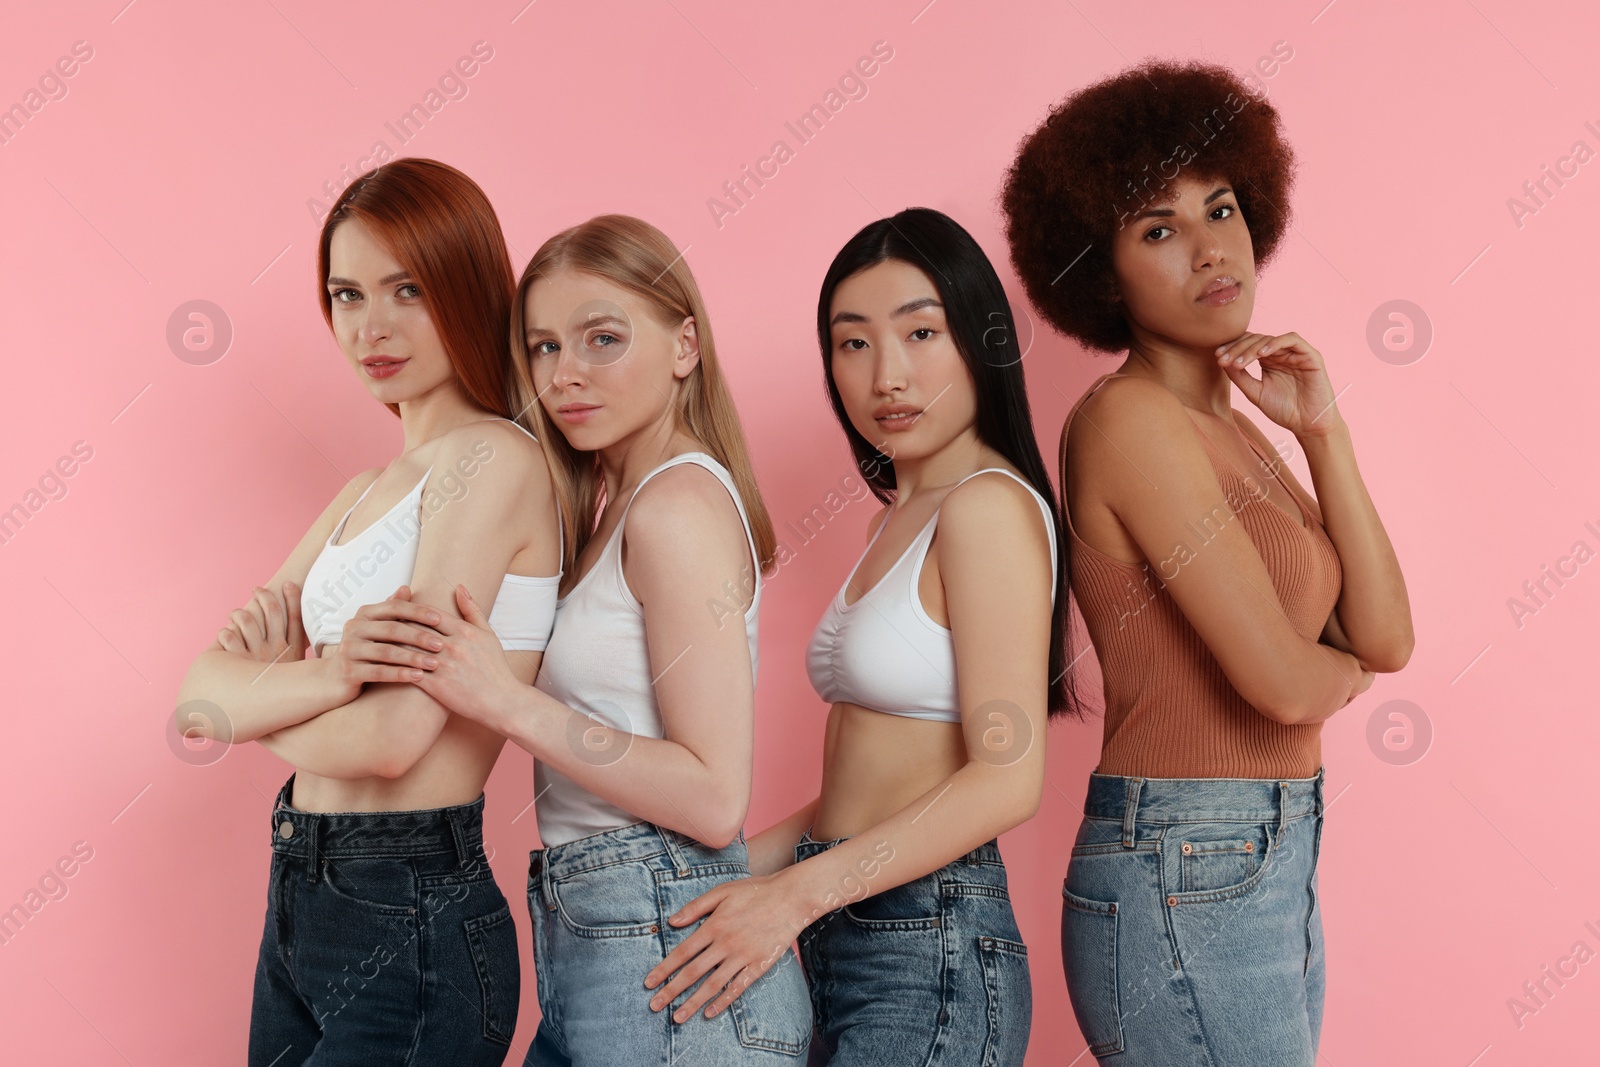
[(478, 507), (995, 558), (298, 565), (687, 562), (1153, 473)]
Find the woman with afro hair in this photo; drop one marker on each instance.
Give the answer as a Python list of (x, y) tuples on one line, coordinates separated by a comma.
[(1232, 612)]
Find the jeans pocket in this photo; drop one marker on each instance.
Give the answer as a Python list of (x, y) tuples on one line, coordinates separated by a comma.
[(1009, 988), (383, 884), (493, 938), (914, 905), (775, 1012), (1089, 956), (1221, 860), (617, 900)]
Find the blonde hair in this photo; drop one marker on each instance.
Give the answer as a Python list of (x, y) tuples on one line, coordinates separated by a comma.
[(634, 255)]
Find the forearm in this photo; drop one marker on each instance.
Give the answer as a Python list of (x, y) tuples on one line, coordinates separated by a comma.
[(1326, 689), (975, 804), (1373, 606), (383, 732), (249, 698), (658, 780), (773, 848)]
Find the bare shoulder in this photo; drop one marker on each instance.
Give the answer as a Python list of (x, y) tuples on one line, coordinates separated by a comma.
[(1134, 430), (685, 500), (993, 511), (494, 456)]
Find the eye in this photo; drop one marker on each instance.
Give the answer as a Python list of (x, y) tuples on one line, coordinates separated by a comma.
[(1152, 230), (338, 296), (928, 331), (610, 339), (409, 291), (1229, 208), (540, 349), (848, 342)]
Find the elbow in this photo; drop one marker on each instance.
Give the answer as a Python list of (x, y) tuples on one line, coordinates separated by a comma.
[(722, 822), (1392, 657)]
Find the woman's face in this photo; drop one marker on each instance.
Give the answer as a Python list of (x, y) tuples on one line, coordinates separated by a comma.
[(380, 319), (1170, 259), (604, 365), (904, 384)]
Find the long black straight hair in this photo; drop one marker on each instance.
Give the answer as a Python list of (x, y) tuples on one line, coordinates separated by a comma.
[(979, 317)]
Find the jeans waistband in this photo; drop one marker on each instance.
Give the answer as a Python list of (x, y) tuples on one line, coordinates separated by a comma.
[(318, 834), (988, 852), (1177, 800), (636, 841)]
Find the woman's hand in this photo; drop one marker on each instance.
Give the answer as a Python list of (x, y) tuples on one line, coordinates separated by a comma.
[(389, 641), (1293, 390), (467, 670), (750, 923), (268, 628)]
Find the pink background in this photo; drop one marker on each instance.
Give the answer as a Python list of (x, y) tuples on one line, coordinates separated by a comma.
[(179, 164)]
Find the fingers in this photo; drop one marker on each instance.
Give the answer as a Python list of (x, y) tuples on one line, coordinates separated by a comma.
[(383, 652), (230, 640), (275, 618), (403, 610), (716, 983), (470, 612), (688, 976), (248, 627), (393, 633), (744, 980), (704, 904)]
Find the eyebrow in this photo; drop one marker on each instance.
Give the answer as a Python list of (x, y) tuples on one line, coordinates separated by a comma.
[(904, 309), (1167, 212), (397, 276), (598, 320)]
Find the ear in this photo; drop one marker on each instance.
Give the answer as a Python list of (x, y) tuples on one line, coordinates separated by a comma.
[(688, 357)]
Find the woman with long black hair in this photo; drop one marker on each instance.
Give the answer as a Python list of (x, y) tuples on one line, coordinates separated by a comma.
[(942, 656)]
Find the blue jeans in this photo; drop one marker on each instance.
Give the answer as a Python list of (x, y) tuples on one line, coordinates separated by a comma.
[(1190, 931), (931, 972), (599, 907), (386, 941)]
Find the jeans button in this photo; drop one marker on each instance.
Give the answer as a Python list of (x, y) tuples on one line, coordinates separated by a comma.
[(286, 828)]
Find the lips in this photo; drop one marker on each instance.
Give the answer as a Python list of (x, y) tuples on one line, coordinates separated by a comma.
[(1222, 290), (382, 366), (896, 416), (576, 412)]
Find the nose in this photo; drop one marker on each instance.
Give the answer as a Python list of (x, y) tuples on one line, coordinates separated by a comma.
[(890, 372), (1207, 251), (376, 324)]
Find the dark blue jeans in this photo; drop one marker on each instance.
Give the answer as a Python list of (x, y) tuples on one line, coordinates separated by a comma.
[(931, 972), (386, 941)]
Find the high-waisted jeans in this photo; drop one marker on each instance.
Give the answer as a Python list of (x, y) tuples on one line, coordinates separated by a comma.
[(1190, 930), (931, 972), (386, 941), (599, 907)]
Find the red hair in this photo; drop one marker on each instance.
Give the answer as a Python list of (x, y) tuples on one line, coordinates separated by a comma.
[(440, 226)]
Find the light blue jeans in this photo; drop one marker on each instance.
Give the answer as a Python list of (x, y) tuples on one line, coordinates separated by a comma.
[(1190, 931), (599, 907)]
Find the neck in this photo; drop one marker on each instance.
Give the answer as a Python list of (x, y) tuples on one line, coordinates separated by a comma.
[(435, 413), (626, 461), (957, 459), (1190, 372)]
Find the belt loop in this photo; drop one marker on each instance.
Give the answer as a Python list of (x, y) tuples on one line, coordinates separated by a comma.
[(669, 838), (1130, 811), (312, 823), (458, 833), (544, 879), (1283, 812)]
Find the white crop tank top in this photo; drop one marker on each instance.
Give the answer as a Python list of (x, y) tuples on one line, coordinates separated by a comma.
[(885, 652), (598, 664), (377, 561)]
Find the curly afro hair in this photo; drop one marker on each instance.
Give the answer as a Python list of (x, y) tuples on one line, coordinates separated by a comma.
[(1115, 147)]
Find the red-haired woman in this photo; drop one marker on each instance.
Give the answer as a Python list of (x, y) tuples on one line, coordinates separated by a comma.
[(386, 937), (1232, 612)]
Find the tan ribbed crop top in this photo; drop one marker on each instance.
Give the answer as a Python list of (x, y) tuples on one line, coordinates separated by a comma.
[(1170, 710)]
